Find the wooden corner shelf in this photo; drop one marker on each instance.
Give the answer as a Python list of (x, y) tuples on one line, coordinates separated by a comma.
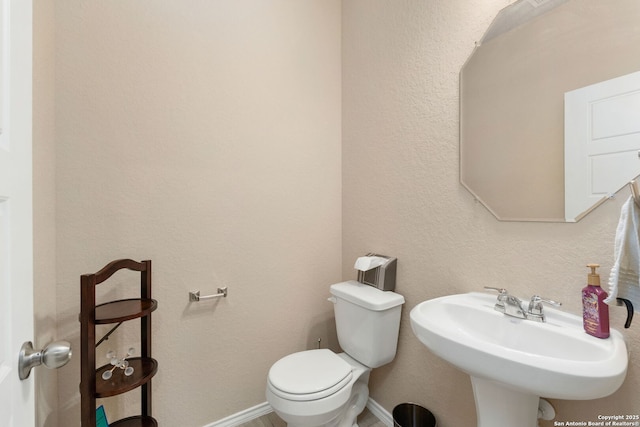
[(92, 385), (143, 371), (137, 421), (123, 310)]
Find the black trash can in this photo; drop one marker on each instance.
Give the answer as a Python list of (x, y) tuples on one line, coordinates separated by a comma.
[(412, 415)]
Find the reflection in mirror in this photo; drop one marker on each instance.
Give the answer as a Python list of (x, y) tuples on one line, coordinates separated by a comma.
[(512, 98), (601, 141)]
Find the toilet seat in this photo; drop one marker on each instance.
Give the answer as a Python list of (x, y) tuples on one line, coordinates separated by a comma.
[(309, 375)]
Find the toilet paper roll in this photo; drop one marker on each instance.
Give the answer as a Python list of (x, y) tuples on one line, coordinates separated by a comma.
[(366, 263)]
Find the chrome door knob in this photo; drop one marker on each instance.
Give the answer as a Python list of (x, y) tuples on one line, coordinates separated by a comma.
[(53, 356)]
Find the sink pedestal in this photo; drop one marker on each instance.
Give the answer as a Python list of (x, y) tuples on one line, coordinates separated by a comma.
[(500, 406)]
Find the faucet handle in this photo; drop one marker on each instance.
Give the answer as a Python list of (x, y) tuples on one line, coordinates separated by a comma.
[(503, 294), (538, 298), (535, 305), (501, 291)]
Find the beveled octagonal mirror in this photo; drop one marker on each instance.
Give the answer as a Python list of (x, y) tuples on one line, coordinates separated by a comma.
[(512, 98)]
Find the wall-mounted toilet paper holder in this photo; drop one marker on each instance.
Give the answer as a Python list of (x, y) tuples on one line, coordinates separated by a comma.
[(377, 270)]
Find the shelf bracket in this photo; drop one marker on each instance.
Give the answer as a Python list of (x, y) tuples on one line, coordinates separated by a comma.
[(106, 337)]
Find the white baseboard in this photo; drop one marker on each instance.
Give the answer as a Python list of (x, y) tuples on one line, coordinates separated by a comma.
[(264, 408), (243, 416), (382, 414)]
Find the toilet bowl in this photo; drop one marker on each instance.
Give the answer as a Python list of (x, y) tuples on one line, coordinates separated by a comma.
[(321, 388), (318, 388)]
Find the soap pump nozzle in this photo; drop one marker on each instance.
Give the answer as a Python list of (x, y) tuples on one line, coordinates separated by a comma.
[(594, 278)]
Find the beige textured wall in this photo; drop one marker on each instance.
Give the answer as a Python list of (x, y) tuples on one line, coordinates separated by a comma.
[(204, 136), (401, 197), (44, 247)]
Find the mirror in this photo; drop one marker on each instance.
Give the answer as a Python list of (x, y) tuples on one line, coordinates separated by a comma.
[(512, 98)]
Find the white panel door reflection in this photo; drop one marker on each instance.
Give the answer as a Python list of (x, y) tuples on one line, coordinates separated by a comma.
[(602, 142)]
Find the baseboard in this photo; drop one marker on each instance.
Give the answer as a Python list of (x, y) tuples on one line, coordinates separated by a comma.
[(382, 414), (257, 411), (243, 416)]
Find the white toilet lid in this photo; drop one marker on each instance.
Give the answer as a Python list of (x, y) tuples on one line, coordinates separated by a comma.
[(309, 373)]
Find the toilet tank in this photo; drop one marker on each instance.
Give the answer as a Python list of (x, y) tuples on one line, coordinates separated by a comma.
[(367, 321)]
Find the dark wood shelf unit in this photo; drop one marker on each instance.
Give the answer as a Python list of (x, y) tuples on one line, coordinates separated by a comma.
[(143, 371), (122, 310), (137, 421), (92, 385)]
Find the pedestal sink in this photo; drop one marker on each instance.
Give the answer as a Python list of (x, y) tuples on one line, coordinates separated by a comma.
[(513, 362)]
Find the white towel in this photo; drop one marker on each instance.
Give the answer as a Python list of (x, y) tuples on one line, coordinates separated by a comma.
[(624, 280)]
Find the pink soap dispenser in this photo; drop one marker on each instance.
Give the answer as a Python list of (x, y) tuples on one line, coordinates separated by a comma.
[(595, 313)]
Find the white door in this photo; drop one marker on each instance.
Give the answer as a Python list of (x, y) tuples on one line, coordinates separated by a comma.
[(602, 141), (16, 259)]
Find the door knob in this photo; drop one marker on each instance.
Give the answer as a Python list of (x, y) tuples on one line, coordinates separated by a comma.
[(53, 356)]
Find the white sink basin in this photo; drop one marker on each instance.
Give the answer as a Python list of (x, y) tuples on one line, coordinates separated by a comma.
[(517, 358)]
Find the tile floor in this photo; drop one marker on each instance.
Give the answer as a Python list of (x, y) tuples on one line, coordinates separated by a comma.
[(366, 419)]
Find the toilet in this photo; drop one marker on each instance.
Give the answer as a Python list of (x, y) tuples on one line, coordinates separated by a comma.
[(321, 388)]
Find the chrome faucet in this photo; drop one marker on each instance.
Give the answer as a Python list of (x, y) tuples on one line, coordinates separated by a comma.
[(536, 308), (513, 306)]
